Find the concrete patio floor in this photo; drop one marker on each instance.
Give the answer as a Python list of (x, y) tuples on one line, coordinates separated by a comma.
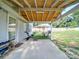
[(42, 49)]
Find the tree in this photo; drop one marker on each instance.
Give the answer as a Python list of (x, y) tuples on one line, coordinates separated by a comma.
[(71, 20)]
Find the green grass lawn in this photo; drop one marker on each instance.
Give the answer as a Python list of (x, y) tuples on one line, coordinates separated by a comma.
[(68, 41), (66, 36), (39, 35)]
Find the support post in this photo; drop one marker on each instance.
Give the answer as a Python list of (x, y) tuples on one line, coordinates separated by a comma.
[(19, 31), (3, 25)]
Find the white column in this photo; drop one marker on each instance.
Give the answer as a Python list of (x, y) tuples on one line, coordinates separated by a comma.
[(51, 32), (3, 25), (19, 30), (29, 28)]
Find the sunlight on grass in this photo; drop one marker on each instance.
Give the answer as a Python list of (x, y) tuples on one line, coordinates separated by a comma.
[(68, 41), (66, 36)]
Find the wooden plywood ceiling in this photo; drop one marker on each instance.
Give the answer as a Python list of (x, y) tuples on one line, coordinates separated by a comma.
[(41, 10)]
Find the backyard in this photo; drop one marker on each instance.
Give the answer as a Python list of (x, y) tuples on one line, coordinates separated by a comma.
[(67, 41), (39, 35)]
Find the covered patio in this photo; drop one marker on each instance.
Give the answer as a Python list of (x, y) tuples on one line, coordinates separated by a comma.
[(18, 16), (42, 49)]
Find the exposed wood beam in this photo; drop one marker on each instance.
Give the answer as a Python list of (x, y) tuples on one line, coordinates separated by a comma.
[(66, 3), (55, 16), (36, 7), (16, 2), (35, 3), (41, 9), (40, 21), (49, 12), (52, 11), (57, 2), (44, 8), (27, 15), (32, 15), (25, 1), (44, 3), (50, 15)]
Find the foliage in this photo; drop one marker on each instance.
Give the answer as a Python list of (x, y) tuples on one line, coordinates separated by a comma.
[(71, 20), (39, 35)]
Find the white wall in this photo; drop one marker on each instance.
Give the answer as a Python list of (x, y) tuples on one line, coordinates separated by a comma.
[(19, 31), (29, 28), (3, 26), (20, 27)]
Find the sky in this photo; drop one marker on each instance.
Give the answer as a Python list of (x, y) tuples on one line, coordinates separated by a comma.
[(68, 8)]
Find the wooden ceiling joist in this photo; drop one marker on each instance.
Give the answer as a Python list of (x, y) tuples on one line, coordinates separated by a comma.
[(56, 14), (40, 5), (66, 3), (30, 15), (39, 16), (45, 14), (42, 10), (25, 1), (16, 2), (44, 3), (50, 16), (57, 3), (24, 15), (49, 3), (34, 15), (32, 3), (27, 15), (35, 1)]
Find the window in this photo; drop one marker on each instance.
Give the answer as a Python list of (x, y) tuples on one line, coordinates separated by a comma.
[(12, 28)]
